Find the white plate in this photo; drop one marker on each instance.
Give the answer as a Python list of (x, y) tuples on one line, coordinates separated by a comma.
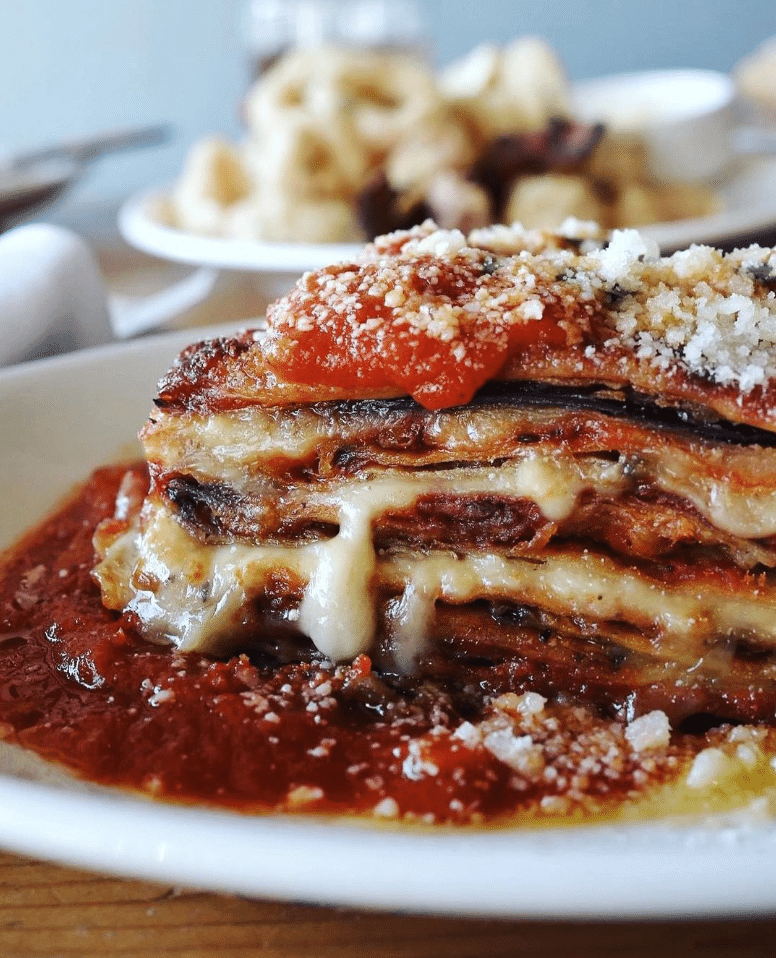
[(140, 228), (61, 417), (749, 208), (748, 198)]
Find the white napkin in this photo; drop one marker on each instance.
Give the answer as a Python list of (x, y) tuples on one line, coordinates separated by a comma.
[(52, 295)]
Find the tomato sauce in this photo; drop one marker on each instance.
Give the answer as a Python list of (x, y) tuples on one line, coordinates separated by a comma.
[(438, 333), (80, 688)]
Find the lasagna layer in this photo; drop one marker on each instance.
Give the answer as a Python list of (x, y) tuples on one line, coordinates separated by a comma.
[(251, 472), (580, 503)]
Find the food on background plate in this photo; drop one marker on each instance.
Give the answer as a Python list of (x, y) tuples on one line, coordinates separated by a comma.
[(481, 530), (755, 77), (345, 144)]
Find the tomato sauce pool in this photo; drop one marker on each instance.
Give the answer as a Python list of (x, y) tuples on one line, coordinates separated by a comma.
[(80, 688)]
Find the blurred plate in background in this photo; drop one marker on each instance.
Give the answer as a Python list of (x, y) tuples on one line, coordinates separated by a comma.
[(139, 228), (748, 198)]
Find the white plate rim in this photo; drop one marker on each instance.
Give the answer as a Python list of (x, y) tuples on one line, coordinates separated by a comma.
[(149, 235), (602, 871), (738, 224), (594, 872)]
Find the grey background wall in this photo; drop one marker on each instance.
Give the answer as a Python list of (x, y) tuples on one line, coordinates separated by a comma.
[(69, 68)]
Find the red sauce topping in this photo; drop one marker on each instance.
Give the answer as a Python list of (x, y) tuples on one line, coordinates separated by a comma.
[(436, 328), (77, 686)]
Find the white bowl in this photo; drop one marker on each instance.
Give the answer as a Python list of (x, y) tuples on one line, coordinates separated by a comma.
[(685, 118)]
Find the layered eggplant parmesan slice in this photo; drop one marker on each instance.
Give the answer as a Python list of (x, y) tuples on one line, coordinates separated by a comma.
[(506, 462)]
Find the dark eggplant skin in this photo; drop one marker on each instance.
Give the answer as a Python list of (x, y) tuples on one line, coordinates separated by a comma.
[(620, 403)]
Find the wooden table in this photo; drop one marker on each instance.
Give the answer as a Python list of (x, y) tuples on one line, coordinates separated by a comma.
[(47, 910)]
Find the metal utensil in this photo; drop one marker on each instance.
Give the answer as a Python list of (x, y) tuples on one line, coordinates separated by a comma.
[(35, 178)]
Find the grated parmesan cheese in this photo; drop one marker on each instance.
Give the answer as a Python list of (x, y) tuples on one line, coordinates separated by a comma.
[(712, 314), (648, 732)]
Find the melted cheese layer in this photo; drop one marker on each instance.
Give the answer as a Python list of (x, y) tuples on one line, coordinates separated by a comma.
[(193, 594)]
